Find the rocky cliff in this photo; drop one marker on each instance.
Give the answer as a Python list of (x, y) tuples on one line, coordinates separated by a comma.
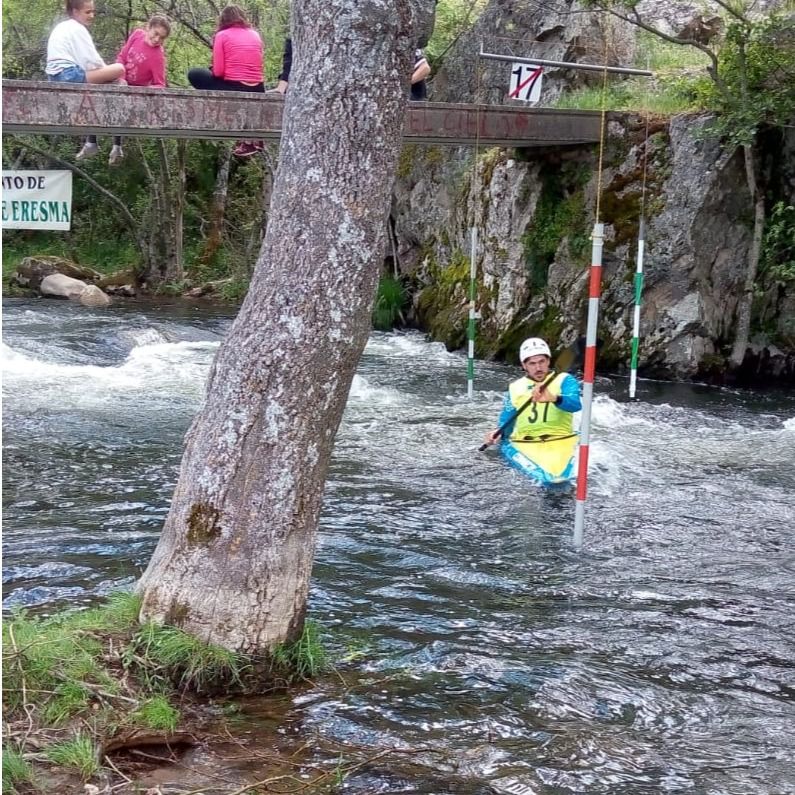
[(534, 211)]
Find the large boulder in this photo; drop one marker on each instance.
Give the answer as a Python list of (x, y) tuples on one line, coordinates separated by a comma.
[(57, 285), (32, 270), (93, 296)]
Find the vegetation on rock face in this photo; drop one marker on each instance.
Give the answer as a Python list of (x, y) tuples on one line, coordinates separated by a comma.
[(777, 260), (560, 213), (750, 70), (390, 302), (441, 303)]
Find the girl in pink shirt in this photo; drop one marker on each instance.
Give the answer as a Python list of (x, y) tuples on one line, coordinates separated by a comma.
[(236, 64), (144, 63), (142, 55), (237, 56)]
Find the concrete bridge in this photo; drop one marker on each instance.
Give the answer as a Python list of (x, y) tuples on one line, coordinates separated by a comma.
[(47, 108)]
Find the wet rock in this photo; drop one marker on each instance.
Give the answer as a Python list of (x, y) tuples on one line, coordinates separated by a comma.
[(93, 296), (32, 270), (57, 285), (122, 290)]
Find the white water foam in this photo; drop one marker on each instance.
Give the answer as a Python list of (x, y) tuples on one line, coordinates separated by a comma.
[(165, 368), (411, 345), (362, 390)]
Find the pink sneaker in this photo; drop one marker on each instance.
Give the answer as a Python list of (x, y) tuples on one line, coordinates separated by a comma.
[(243, 149)]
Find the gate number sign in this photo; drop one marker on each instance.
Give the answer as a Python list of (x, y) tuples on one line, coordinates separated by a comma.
[(525, 82)]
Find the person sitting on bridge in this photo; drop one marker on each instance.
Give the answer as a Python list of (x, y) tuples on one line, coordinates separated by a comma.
[(144, 63), (419, 88), (237, 56), (287, 66), (236, 65), (73, 58)]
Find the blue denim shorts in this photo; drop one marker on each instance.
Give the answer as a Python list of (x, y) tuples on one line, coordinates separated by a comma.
[(72, 74)]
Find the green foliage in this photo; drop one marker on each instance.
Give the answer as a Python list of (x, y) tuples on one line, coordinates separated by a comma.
[(304, 659), (389, 303), (69, 698), (158, 714), (671, 94), (777, 261), (755, 75), (560, 212), (79, 753), (235, 290), (453, 19), (168, 655), (16, 770)]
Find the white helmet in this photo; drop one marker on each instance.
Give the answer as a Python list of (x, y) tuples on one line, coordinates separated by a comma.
[(533, 347)]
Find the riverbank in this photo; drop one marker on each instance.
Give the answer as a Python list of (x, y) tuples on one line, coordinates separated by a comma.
[(91, 698)]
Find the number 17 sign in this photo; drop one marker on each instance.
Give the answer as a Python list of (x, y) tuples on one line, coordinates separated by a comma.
[(525, 82)]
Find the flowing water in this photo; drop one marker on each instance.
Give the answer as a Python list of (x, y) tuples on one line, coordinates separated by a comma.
[(659, 659)]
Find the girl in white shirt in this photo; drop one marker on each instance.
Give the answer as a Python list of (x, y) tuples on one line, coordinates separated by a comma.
[(73, 58)]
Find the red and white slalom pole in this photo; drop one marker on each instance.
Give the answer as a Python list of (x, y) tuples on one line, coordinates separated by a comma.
[(594, 293)]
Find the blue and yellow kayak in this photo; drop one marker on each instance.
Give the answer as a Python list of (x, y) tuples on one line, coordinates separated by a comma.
[(547, 460)]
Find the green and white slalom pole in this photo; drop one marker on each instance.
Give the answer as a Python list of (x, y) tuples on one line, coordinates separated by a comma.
[(589, 372), (473, 315), (633, 365)]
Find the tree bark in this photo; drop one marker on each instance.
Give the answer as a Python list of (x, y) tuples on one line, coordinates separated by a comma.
[(218, 208), (234, 560), (746, 301), (164, 218), (258, 231)]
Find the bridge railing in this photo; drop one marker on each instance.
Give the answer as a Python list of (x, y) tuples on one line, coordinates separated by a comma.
[(48, 108)]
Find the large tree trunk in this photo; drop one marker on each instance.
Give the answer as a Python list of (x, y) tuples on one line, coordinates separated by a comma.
[(234, 560), (745, 304)]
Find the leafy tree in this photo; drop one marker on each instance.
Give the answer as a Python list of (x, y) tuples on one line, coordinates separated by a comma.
[(752, 71)]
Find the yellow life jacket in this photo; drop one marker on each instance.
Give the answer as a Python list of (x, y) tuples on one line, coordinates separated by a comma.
[(539, 419)]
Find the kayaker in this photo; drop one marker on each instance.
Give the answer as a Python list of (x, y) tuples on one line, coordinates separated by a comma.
[(555, 398)]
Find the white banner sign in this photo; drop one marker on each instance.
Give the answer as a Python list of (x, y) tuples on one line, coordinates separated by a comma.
[(525, 82), (37, 199)]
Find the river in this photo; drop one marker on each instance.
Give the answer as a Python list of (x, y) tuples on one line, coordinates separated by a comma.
[(658, 659)]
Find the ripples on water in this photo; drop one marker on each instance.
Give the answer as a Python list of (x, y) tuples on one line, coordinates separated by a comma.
[(658, 660)]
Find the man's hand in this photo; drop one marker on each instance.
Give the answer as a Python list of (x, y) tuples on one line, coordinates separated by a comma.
[(492, 437), (541, 394)]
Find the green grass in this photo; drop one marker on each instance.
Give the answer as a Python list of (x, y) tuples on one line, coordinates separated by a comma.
[(157, 713), (169, 654), (306, 658), (16, 770), (677, 85), (79, 754), (235, 291), (69, 698), (667, 98), (389, 303), (663, 56), (59, 657), (105, 256)]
